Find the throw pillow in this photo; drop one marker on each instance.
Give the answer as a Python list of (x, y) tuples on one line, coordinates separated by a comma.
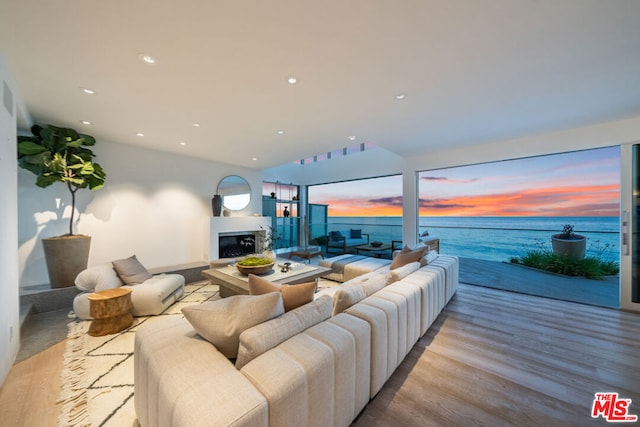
[(98, 278), (407, 257), (265, 336), (335, 235), (402, 272), (357, 289), (131, 271), (431, 256), (356, 234), (222, 321), (346, 297), (293, 296), (406, 248)]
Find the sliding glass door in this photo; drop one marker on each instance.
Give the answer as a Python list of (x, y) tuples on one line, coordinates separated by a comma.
[(630, 228)]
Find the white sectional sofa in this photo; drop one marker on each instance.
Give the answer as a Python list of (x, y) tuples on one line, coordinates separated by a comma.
[(316, 365)]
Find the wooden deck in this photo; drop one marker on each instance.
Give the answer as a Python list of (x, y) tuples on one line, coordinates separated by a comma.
[(518, 278), (496, 358)]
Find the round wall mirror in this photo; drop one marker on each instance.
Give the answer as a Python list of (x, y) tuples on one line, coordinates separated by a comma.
[(235, 192)]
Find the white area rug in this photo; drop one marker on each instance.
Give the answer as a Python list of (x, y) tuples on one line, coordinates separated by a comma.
[(97, 375)]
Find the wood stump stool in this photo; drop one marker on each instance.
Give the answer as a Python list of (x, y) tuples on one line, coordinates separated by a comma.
[(111, 311)]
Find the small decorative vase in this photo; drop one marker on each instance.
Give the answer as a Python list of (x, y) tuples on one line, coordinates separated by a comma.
[(269, 254), (216, 205)]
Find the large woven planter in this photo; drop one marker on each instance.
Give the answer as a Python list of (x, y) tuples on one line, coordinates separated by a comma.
[(573, 248), (66, 256)]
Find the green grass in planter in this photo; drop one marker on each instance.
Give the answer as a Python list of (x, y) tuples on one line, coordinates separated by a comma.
[(591, 268)]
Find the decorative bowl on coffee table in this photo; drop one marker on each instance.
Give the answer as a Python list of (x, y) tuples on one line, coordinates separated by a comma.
[(255, 265)]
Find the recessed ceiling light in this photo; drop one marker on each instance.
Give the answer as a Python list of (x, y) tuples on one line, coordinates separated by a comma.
[(140, 134), (400, 96), (88, 91), (255, 158), (147, 59), (352, 138), (196, 125), (292, 80), (280, 132), (85, 122), (183, 143)]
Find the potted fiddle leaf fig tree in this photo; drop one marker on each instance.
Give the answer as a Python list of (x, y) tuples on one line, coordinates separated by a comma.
[(56, 154), (569, 244)]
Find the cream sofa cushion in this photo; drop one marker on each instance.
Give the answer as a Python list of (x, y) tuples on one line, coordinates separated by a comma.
[(318, 377), (377, 320), (98, 278), (221, 322), (156, 294), (181, 380), (265, 336), (413, 297), (356, 290), (361, 332), (297, 379)]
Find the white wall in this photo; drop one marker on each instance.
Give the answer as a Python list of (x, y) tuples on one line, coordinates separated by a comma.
[(9, 314), (598, 135), (154, 204)]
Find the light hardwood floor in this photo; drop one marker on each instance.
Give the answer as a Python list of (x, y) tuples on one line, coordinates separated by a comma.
[(492, 358), (496, 358), (29, 393)]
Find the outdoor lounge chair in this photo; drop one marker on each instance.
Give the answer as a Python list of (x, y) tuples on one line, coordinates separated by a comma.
[(340, 242)]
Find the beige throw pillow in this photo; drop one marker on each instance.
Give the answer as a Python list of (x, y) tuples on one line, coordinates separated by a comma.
[(423, 261), (404, 258), (402, 272), (293, 296), (357, 289), (221, 322), (265, 336), (131, 271)]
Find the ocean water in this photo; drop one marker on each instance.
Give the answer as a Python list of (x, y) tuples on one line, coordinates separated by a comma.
[(493, 238)]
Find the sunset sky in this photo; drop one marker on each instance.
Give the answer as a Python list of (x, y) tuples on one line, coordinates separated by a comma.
[(584, 183)]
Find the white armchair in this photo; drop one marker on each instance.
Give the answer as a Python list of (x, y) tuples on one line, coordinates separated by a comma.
[(150, 297)]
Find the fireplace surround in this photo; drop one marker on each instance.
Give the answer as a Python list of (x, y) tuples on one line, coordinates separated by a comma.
[(233, 234)]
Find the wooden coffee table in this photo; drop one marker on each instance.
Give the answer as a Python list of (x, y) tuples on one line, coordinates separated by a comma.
[(230, 285), (376, 251), (306, 253), (111, 311)]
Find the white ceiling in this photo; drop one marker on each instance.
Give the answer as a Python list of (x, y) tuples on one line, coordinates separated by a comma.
[(472, 71)]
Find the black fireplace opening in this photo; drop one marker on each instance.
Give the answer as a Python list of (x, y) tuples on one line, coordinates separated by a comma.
[(236, 245)]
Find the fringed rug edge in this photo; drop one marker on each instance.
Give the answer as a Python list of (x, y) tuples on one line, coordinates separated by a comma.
[(73, 394)]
